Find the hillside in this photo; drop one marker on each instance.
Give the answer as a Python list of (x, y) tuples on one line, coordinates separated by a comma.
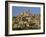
[(25, 21)]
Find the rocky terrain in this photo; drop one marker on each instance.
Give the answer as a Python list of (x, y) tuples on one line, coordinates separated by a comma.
[(25, 21)]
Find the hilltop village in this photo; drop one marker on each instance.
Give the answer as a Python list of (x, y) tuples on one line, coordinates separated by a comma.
[(25, 21)]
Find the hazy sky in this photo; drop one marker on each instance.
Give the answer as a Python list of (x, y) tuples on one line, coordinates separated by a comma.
[(16, 10)]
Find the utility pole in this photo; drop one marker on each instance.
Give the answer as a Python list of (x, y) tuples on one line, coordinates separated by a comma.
[(28, 10)]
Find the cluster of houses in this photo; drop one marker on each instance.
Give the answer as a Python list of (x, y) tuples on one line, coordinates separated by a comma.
[(25, 21)]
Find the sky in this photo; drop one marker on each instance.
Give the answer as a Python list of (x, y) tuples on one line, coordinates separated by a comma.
[(17, 9)]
